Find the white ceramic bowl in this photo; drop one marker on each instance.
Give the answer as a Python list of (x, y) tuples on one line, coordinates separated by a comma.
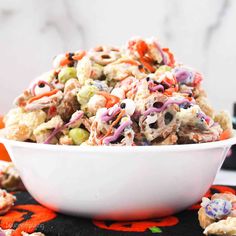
[(119, 183)]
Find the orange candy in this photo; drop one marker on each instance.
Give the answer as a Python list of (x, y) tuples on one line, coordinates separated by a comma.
[(111, 99), (142, 48), (1, 122), (3, 152), (171, 56), (226, 134)]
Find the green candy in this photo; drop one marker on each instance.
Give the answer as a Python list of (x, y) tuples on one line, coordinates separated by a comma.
[(78, 135), (66, 73), (85, 93)]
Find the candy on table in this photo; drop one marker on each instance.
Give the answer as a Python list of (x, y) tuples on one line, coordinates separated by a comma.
[(218, 214), (6, 232), (6, 201), (9, 232), (223, 227), (33, 234), (9, 177)]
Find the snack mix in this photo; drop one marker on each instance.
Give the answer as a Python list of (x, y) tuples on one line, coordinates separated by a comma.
[(132, 95)]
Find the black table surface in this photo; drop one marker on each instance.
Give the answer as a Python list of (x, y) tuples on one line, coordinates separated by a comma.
[(29, 216)]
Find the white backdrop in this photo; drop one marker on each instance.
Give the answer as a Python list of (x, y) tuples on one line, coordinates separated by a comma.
[(202, 33)]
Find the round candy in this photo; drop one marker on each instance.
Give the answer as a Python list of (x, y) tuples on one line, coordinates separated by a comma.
[(218, 208), (129, 106), (41, 87)]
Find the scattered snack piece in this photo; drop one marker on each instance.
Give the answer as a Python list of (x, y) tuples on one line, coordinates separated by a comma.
[(223, 118), (218, 214), (223, 227), (9, 232), (204, 219), (9, 177), (33, 234), (6, 201), (136, 94), (6, 232)]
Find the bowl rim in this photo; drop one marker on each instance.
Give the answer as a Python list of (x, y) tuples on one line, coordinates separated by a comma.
[(93, 149)]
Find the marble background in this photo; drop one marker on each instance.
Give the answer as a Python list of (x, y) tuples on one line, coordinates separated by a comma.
[(202, 33)]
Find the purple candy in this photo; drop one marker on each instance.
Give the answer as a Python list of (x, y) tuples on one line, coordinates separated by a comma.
[(183, 75), (218, 208)]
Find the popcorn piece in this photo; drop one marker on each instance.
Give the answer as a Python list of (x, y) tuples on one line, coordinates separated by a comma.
[(96, 102), (42, 132), (196, 127), (6, 201), (223, 118), (33, 234), (204, 219), (65, 140), (10, 232), (223, 227), (19, 125), (10, 179), (205, 106)]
